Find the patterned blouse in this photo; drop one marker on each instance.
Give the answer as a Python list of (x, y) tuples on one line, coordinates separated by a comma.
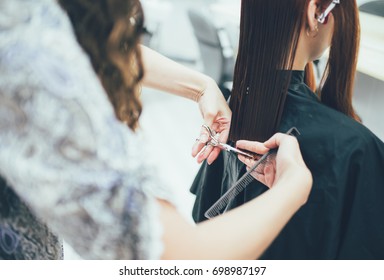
[(68, 166)]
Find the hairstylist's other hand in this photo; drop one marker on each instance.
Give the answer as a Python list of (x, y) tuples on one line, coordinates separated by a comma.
[(289, 167), (217, 116)]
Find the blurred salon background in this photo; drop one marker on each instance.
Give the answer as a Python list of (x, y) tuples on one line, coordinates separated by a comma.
[(203, 34)]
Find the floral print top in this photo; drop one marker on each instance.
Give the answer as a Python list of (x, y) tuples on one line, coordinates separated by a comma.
[(68, 166)]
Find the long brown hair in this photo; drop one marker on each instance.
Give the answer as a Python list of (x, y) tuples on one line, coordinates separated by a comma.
[(109, 32), (269, 35), (336, 89)]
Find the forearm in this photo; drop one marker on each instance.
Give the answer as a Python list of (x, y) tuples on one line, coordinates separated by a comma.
[(243, 233), (251, 229), (164, 74)]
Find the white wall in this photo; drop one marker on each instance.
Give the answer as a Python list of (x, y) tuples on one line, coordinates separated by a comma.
[(369, 103)]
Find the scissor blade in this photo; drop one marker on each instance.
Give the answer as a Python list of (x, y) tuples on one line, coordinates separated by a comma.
[(235, 150)]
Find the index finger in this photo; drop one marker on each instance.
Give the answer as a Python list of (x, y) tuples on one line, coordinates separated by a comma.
[(278, 139), (252, 146)]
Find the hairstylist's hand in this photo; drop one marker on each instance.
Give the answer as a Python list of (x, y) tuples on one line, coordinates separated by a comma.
[(217, 116), (289, 167)]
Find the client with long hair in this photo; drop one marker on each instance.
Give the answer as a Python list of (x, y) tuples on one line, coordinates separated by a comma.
[(274, 91)]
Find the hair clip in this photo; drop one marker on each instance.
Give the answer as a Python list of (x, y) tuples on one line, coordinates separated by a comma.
[(327, 11)]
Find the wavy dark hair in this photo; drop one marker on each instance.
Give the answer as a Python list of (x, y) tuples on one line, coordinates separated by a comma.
[(269, 35), (109, 32)]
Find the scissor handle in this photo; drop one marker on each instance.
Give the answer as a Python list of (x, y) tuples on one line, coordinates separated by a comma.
[(212, 140), (211, 134)]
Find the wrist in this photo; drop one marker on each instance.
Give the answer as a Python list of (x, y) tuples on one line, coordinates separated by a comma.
[(194, 89), (210, 87), (204, 83)]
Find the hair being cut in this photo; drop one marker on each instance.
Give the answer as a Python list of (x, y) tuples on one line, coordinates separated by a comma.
[(109, 32), (269, 34)]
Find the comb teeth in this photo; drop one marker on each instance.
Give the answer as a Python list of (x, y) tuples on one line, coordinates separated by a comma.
[(239, 186), (222, 204)]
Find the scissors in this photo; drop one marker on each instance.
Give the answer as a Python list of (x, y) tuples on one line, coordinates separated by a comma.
[(213, 141)]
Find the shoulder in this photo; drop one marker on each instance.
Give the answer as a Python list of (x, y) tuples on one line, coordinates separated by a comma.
[(40, 56), (34, 30), (305, 111), (328, 131), (352, 131)]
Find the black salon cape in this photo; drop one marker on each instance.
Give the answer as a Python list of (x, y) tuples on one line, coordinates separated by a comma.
[(344, 215)]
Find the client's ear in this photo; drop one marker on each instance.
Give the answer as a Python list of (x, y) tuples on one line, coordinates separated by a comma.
[(313, 9)]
